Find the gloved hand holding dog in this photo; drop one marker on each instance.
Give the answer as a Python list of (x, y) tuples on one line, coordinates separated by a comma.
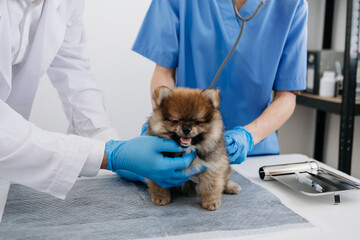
[(142, 157), (239, 142)]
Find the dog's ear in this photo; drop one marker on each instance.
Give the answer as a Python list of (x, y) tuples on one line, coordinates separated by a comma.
[(213, 95), (160, 94)]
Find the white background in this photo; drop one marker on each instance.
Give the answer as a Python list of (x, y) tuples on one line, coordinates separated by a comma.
[(124, 77)]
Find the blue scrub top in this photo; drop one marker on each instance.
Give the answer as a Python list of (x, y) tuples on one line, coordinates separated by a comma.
[(194, 36)]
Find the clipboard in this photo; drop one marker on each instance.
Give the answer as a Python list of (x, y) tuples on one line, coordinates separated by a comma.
[(309, 179)]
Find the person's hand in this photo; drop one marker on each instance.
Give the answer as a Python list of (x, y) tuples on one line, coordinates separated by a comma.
[(130, 175), (239, 142), (143, 156)]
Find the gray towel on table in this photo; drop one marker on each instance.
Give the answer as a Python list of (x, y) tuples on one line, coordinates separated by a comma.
[(109, 207)]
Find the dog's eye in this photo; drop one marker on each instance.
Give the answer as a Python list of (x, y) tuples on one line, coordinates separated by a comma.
[(175, 121), (198, 122)]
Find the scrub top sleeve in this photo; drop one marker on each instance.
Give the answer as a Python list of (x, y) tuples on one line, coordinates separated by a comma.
[(291, 73), (158, 38)]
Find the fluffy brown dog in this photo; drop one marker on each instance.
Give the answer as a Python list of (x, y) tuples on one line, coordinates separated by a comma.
[(191, 118)]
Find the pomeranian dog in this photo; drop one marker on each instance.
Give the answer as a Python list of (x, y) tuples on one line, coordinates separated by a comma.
[(191, 118)]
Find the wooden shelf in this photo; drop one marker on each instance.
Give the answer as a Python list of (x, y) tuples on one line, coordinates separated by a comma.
[(326, 104)]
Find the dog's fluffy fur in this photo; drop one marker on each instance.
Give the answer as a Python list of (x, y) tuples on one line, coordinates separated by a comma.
[(191, 117)]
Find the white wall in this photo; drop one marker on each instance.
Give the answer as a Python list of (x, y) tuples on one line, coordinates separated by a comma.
[(125, 78)]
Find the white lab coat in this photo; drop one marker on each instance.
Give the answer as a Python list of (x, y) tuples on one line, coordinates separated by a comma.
[(46, 161)]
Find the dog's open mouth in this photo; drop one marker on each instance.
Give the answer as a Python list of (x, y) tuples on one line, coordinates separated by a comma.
[(185, 141)]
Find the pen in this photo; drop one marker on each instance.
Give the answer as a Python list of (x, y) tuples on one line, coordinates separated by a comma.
[(304, 179)]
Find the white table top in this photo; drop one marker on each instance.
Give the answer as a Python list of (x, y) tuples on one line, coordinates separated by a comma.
[(330, 221)]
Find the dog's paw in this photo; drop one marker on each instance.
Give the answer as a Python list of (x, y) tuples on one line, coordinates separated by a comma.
[(232, 187), (211, 204), (161, 200)]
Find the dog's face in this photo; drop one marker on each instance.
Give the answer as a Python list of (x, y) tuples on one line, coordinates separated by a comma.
[(187, 116)]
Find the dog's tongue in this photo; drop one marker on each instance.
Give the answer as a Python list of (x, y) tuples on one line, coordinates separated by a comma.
[(185, 140)]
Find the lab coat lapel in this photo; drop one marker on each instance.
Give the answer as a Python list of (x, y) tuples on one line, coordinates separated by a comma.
[(5, 52), (47, 41)]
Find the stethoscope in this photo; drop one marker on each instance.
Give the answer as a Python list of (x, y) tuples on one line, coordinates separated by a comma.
[(244, 20)]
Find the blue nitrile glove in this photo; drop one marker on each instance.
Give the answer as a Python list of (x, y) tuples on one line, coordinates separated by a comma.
[(143, 156), (130, 175), (239, 142), (144, 128)]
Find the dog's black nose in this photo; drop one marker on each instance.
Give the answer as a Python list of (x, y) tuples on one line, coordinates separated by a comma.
[(186, 129)]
